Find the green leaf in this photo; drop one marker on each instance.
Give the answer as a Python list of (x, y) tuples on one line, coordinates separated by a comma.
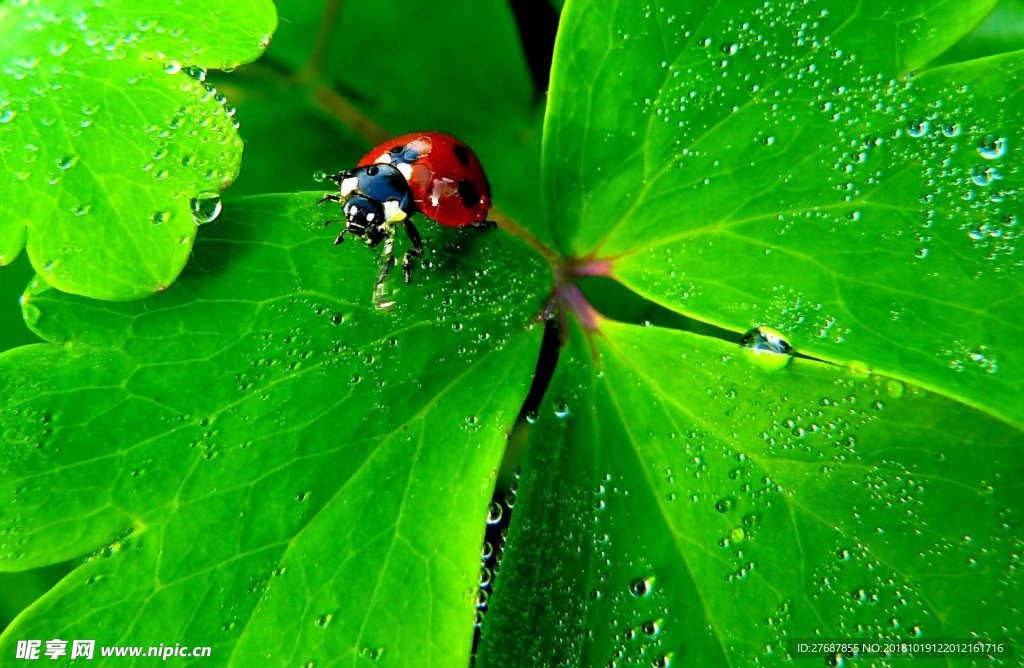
[(682, 501), (1001, 31), (750, 165), (107, 139), (457, 68), (258, 459)]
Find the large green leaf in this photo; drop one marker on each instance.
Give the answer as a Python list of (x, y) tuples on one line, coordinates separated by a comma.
[(750, 164), (110, 141), (261, 461), (685, 504)]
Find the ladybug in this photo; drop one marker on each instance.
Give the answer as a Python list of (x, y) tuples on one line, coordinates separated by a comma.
[(430, 173)]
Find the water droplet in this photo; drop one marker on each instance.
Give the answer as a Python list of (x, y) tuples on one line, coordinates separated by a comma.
[(371, 653), (769, 348), (640, 587), (195, 72), (651, 627), (561, 408), (917, 128), (992, 147), (494, 513), (725, 504), (985, 176), (67, 161), (160, 217), (325, 619), (206, 206), (7, 115)]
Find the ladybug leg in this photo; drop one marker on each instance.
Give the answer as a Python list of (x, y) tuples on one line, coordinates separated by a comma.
[(330, 197), (414, 252)]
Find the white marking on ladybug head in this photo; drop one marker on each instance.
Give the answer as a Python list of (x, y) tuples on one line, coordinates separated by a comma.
[(406, 170), (384, 159), (370, 216), (393, 212), (348, 186)]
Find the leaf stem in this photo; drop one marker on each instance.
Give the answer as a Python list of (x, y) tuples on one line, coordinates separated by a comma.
[(314, 67), (335, 105), (510, 226)]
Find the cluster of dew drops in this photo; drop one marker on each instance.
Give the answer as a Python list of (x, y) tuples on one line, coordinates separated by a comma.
[(47, 75)]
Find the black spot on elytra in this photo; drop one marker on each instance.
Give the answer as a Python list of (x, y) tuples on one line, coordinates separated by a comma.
[(461, 154), (396, 149), (373, 170), (469, 194)]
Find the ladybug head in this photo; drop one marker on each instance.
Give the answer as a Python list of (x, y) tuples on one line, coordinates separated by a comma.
[(364, 217)]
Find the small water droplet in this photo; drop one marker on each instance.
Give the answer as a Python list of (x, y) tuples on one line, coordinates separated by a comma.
[(561, 408), (371, 653), (894, 388), (206, 206), (494, 513), (917, 128), (640, 587), (160, 217), (325, 619), (992, 147)]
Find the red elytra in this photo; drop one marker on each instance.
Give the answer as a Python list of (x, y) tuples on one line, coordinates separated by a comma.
[(446, 178)]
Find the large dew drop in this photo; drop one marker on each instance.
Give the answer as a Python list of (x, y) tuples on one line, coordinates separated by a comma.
[(206, 206), (992, 147), (768, 347)]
